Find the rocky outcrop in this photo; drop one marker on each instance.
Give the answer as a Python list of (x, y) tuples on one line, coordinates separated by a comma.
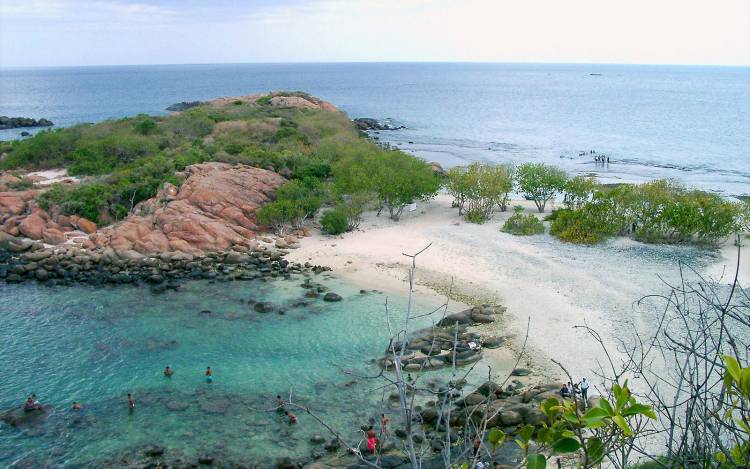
[(185, 105), (368, 123), (17, 122), (213, 210)]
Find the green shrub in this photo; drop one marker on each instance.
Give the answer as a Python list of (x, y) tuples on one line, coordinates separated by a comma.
[(22, 184), (334, 221), (280, 214), (304, 197), (578, 191), (523, 225), (145, 126), (87, 200), (655, 212), (264, 100)]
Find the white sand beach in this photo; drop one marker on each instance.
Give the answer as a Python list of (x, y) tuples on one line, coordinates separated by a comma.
[(554, 285)]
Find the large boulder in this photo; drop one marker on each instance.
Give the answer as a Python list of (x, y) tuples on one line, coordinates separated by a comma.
[(213, 210)]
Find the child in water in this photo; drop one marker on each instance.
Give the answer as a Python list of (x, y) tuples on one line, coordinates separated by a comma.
[(209, 375)]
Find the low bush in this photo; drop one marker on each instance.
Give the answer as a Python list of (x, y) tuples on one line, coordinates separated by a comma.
[(655, 212), (523, 225), (280, 214), (334, 221)]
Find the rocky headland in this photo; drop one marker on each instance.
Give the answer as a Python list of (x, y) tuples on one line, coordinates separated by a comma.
[(18, 122)]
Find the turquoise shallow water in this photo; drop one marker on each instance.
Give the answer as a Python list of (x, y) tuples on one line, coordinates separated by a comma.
[(93, 345)]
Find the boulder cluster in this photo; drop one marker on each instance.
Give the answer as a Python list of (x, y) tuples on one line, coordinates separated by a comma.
[(205, 228), (433, 348), (16, 122)]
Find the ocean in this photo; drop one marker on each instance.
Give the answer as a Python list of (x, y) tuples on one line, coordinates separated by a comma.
[(685, 122)]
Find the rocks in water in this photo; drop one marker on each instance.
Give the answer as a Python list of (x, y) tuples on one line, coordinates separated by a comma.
[(263, 307), (16, 122), (368, 123), (332, 297), (20, 418), (153, 451), (216, 406), (177, 406), (317, 439), (333, 445), (185, 105)]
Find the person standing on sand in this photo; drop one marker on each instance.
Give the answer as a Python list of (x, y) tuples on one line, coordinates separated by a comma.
[(584, 390)]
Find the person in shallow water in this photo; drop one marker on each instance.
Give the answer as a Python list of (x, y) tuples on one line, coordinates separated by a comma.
[(372, 440), (565, 392), (76, 406), (131, 402), (383, 425), (168, 371), (209, 375), (31, 404), (292, 417), (279, 403)]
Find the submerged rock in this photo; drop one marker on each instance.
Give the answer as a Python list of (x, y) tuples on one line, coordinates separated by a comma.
[(331, 297)]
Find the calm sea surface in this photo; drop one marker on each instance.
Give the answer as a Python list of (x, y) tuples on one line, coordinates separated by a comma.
[(690, 123)]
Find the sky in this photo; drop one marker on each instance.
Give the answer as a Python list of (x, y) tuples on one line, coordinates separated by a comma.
[(114, 32)]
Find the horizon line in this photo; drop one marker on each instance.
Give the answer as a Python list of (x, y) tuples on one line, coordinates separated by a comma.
[(364, 62)]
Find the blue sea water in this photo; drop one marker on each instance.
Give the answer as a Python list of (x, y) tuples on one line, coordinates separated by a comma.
[(684, 122), (95, 345)]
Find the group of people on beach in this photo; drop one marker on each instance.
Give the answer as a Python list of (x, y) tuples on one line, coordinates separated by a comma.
[(569, 390)]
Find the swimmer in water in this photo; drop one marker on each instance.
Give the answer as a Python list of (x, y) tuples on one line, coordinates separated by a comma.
[(168, 371), (131, 403), (76, 406), (209, 375)]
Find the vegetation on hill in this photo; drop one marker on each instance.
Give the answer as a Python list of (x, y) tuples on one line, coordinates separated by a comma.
[(125, 161)]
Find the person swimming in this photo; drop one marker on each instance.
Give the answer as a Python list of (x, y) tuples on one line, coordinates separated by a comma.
[(76, 406), (131, 403), (209, 375), (292, 417), (168, 372)]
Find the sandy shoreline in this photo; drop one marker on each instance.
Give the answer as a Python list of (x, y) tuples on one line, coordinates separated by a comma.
[(553, 285)]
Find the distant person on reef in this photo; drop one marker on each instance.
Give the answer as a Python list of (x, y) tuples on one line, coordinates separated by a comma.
[(131, 403), (209, 375), (279, 403), (292, 417), (372, 441), (168, 372), (565, 391)]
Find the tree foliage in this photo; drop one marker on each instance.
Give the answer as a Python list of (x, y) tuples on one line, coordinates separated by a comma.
[(540, 182), (477, 188), (395, 178)]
